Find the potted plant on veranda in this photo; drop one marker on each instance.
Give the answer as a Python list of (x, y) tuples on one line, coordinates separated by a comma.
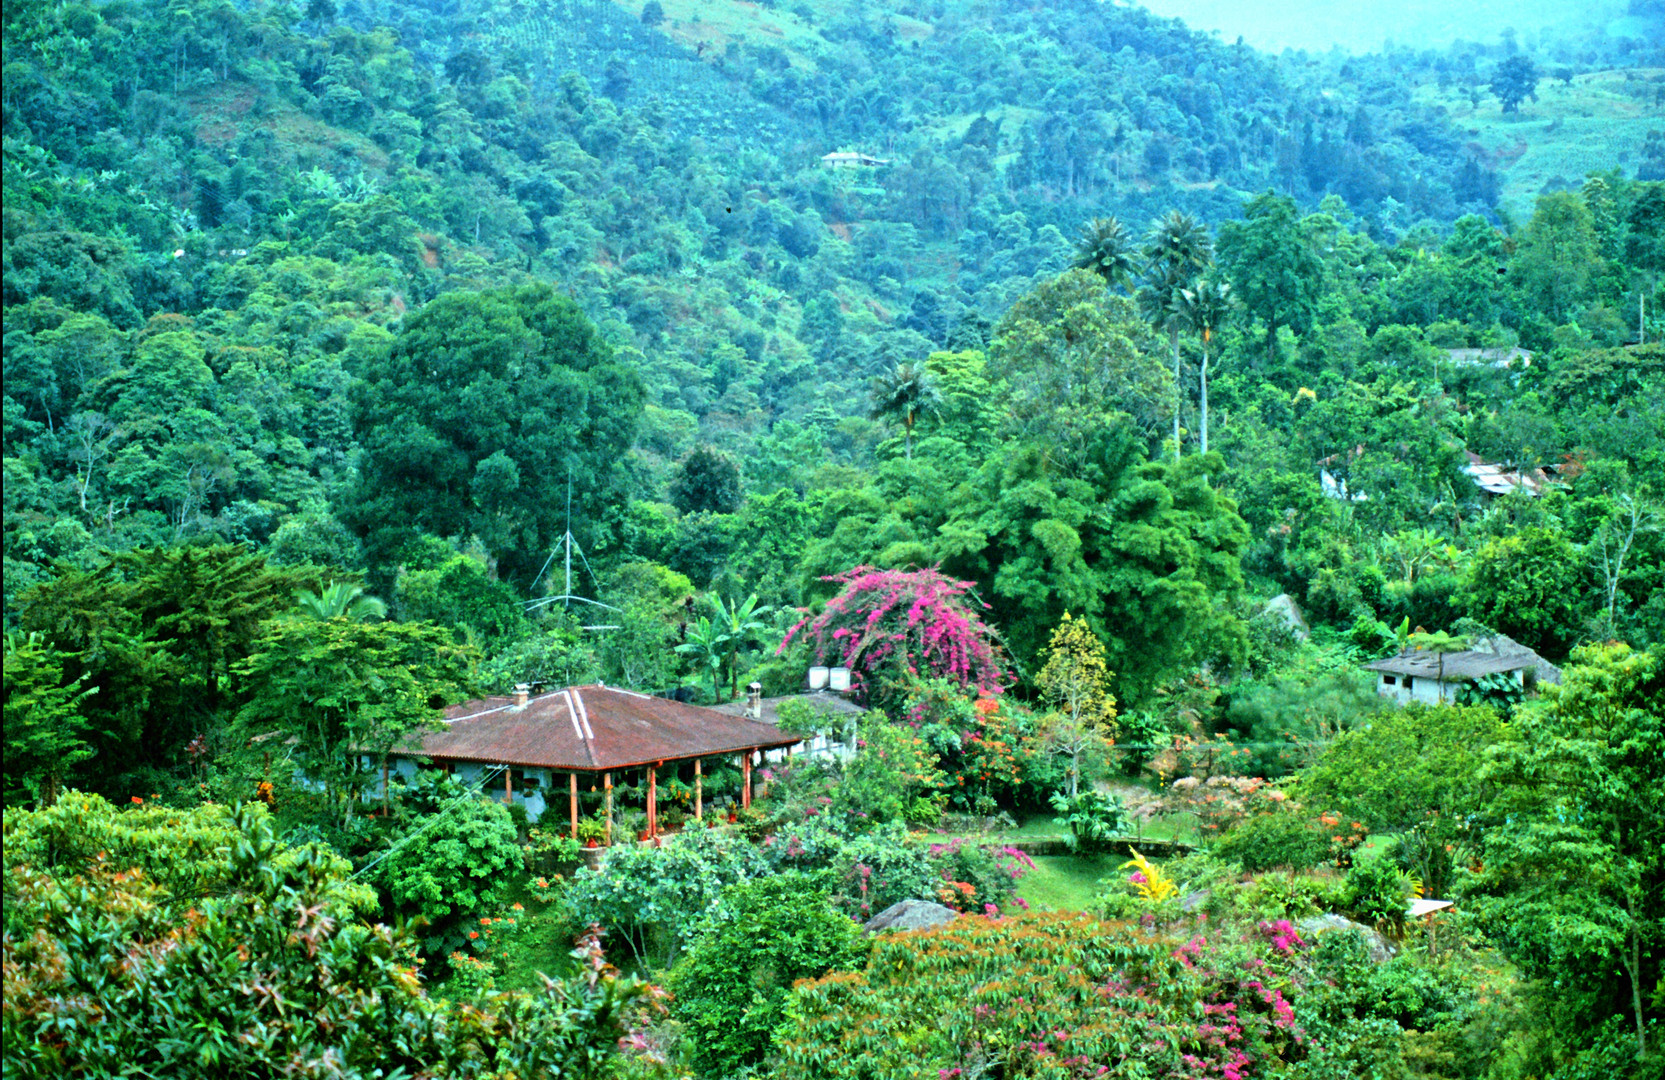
[(591, 831)]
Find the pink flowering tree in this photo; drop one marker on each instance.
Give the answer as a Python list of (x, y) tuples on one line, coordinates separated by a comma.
[(885, 625)]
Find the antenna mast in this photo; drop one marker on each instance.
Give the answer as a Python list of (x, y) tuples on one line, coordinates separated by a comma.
[(567, 597)]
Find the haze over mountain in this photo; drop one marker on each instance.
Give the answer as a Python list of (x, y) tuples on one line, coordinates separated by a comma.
[(1367, 25)]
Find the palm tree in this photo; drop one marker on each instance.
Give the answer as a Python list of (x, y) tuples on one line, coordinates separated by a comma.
[(704, 648), (1203, 307), (1177, 249), (906, 393), (1106, 249), (715, 643), (741, 623), (340, 599)]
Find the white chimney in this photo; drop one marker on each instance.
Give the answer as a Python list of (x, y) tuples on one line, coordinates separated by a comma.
[(838, 679), (817, 678), (754, 701), (523, 692)]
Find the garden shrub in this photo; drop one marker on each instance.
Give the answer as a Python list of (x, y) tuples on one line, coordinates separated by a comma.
[(652, 897), (1376, 893), (266, 975), (1045, 995), (732, 984), (452, 864), (1284, 839), (1092, 818)]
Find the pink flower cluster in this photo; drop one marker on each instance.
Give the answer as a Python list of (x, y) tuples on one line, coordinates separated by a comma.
[(917, 618), (1283, 936)]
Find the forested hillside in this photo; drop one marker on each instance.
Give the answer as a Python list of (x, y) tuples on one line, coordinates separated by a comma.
[(1105, 403)]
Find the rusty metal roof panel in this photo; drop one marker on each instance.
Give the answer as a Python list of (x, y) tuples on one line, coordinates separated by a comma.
[(590, 729)]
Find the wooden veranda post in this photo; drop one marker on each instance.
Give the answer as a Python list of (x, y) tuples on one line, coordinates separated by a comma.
[(607, 786), (508, 786), (746, 780), (699, 792), (653, 801), (572, 799)]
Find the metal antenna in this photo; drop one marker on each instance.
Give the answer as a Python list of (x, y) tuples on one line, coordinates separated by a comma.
[(567, 596)]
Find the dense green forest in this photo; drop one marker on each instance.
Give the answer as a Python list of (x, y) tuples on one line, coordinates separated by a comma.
[(343, 342)]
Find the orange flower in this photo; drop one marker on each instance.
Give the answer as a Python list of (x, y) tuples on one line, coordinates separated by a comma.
[(472, 934)]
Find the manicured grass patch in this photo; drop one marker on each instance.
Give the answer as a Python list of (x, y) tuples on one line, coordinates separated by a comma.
[(1066, 882)]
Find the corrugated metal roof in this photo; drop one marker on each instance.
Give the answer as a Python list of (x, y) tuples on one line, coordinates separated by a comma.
[(1458, 665), (589, 729)]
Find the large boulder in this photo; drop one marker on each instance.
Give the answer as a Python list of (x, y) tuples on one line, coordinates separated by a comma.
[(1283, 609), (1375, 944), (911, 915)]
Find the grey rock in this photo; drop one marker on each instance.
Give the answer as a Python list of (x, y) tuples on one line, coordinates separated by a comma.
[(1190, 900), (911, 915), (1284, 609), (1375, 944)]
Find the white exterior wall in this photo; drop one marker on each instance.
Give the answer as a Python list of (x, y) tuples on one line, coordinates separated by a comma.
[(1426, 688), (1423, 688)]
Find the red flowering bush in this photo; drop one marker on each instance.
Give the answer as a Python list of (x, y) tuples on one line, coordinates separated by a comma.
[(885, 625), (1051, 996)]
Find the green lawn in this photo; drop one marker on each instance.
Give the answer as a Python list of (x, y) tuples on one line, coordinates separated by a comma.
[(1066, 882)]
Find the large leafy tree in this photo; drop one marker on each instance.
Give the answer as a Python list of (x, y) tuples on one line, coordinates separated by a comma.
[(45, 735), (339, 690), (1073, 358), (1515, 81), (1148, 553), (1529, 586), (1557, 255), (159, 634), (475, 420), (1271, 264), (1576, 869)]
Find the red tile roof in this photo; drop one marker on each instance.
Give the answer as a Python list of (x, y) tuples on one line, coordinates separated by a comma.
[(590, 729)]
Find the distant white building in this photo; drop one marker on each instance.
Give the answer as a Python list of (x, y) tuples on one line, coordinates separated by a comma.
[(1510, 357), (846, 159)]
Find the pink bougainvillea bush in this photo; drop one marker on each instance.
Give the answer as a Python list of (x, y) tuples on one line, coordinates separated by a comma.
[(887, 624)]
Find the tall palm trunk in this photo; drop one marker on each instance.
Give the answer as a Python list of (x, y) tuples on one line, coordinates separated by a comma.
[(1202, 378), (1179, 392)]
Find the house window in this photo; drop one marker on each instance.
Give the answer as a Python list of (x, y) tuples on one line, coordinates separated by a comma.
[(1389, 680), (1409, 682)]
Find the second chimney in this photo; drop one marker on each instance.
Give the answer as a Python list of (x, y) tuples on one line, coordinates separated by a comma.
[(523, 692)]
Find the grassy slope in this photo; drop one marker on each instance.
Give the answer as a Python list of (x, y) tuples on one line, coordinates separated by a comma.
[(1595, 124), (1066, 882)]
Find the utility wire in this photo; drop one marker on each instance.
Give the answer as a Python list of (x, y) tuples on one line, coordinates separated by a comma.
[(446, 809)]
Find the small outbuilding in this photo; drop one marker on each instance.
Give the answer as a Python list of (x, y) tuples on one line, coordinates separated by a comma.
[(1416, 675), (540, 750)]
